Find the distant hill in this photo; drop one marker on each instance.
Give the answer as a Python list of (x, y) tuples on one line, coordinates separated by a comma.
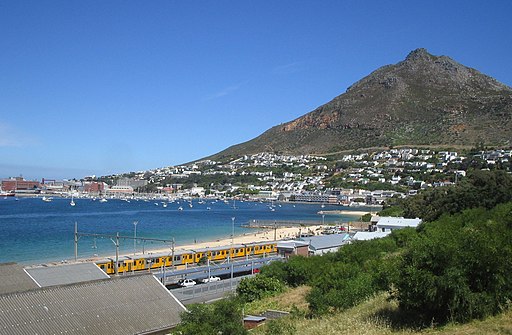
[(422, 100)]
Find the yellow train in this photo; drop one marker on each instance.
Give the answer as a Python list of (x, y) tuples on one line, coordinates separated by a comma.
[(186, 257)]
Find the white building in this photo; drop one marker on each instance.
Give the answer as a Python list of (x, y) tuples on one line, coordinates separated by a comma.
[(388, 223), (369, 235)]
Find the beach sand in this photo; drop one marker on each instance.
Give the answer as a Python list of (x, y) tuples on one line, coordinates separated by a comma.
[(353, 213)]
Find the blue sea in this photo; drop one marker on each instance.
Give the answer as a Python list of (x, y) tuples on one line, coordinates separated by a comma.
[(33, 231)]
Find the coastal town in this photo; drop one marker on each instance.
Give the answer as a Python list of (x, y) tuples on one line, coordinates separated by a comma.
[(367, 178)]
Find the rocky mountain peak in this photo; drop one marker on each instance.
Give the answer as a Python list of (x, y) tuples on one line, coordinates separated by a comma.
[(423, 100), (420, 53)]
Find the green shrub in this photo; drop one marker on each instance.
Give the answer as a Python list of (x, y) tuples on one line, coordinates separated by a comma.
[(459, 267), (258, 287), (221, 317), (280, 327)]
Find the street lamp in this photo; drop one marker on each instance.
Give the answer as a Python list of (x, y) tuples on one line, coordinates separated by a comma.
[(233, 229), (135, 237)]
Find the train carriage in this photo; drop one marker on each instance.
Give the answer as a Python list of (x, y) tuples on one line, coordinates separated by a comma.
[(186, 257)]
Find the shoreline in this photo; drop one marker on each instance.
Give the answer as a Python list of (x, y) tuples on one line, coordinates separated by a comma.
[(344, 212)]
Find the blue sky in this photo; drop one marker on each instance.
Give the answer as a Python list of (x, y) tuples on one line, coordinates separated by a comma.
[(102, 87)]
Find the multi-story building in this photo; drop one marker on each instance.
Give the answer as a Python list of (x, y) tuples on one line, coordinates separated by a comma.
[(20, 184)]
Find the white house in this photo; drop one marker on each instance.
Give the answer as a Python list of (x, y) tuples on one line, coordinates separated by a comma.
[(369, 235), (388, 223)]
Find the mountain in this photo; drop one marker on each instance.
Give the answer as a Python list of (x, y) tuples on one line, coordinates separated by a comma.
[(422, 100)]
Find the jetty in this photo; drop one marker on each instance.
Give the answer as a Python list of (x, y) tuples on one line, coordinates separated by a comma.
[(281, 223)]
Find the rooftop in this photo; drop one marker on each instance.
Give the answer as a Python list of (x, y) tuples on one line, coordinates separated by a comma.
[(126, 305)]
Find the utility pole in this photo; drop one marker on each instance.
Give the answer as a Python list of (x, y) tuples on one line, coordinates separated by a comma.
[(117, 253), (275, 230), (233, 230), (76, 241), (172, 251), (116, 243), (135, 237)]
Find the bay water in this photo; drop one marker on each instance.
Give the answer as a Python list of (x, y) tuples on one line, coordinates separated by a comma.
[(33, 231)]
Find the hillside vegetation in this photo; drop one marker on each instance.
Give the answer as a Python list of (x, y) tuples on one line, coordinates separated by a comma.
[(452, 270), (374, 316)]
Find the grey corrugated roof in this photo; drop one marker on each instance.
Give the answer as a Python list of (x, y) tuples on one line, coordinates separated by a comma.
[(326, 241), (126, 305), (14, 279), (66, 274), (291, 244)]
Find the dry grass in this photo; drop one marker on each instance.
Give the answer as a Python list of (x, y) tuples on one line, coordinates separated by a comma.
[(373, 317), (283, 302)]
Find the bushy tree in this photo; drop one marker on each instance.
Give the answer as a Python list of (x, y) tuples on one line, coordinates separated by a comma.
[(480, 189), (221, 317), (459, 267), (297, 270), (258, 287)]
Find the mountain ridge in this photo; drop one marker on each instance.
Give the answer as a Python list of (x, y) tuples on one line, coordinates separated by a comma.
[(421, 100)]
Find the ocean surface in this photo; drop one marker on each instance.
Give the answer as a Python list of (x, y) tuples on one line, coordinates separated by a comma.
[(33, 231)]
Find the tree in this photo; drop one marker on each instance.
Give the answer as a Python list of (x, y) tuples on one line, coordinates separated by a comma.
[(258, 287), (221, 317), (458, 267)]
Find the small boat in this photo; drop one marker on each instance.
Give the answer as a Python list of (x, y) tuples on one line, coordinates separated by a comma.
[(45, 199), (103, 200), (164, 204), (180, 208), (208, 208), (72, 203)]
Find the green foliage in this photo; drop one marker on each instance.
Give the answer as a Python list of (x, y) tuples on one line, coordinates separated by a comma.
[(221, 317), (393, 210), (480, 189), (458, 267), (258, 287), (280, 327), (298, 270), (203, 260), (343, 279), (366, 218)]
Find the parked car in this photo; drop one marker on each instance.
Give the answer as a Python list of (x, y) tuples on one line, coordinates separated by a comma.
[(210, 279), (186, 282)]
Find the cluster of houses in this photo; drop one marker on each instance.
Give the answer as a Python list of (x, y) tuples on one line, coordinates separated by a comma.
[(304, 178)]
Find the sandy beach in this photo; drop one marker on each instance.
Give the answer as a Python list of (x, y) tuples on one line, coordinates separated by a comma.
[(352, 213)]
